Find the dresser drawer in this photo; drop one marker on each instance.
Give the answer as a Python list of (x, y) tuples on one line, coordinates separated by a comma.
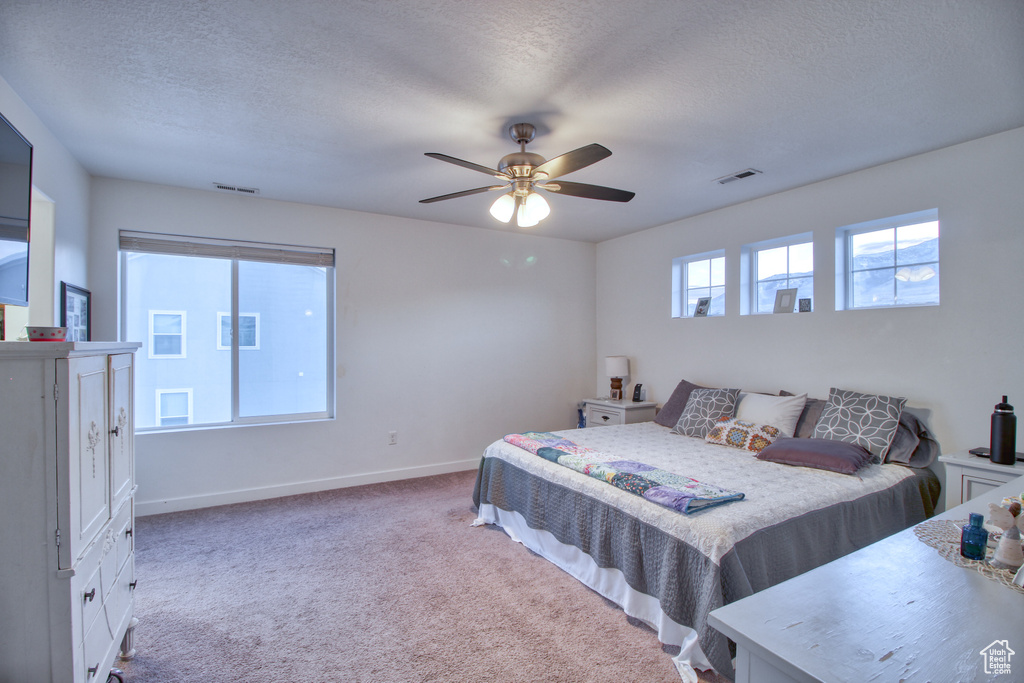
[(601, 416)]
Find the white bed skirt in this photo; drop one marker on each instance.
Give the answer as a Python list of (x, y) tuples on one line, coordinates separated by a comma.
[(609, 582)]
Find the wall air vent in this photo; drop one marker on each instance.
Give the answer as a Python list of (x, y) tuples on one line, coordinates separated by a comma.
[(745, 173), (223, 187)]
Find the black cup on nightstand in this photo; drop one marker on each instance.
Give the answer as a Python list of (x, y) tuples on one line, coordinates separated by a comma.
[(1003, 442)]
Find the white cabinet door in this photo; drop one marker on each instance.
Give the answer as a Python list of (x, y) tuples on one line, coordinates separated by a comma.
[(88, 474), (121, 429)]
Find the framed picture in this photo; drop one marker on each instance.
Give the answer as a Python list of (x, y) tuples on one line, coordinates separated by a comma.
[(616, 395), (785, 300), (76, 312), (703, 304), (805, 305)]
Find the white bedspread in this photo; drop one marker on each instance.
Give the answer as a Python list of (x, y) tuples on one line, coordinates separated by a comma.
[(774, 493)]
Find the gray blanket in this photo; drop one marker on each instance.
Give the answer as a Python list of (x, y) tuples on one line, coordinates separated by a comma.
[(688, 584)]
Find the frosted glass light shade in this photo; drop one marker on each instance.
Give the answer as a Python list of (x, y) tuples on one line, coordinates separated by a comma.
[(616, 366), (532, 211), (503, 207)]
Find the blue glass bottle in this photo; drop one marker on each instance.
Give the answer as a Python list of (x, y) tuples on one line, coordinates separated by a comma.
[(974, 539)]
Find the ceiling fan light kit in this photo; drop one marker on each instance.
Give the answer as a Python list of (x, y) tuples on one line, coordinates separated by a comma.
[(522, 173)]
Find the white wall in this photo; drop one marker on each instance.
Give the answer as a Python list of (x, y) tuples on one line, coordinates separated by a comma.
[(63, 180), (452, 336), (952, 362)]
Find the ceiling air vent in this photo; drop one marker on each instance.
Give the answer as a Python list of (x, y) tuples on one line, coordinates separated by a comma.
[(234, 188), (745, 173)]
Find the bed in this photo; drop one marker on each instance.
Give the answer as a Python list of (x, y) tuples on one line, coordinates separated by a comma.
[(670, 569)]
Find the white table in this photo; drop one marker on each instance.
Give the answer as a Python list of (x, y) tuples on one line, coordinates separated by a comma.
[(968, 476), (894, 611)]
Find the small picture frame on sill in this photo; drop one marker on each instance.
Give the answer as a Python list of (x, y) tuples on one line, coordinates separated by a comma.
[(76, 312), (785, 300), (703, 305), (805, 305)]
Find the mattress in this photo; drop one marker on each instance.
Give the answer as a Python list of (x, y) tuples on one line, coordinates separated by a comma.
[(675, 568)]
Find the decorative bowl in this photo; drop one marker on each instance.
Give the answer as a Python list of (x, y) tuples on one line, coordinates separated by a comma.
[(51, 334)]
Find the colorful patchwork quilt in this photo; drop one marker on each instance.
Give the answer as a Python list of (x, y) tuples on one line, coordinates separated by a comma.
[(675, 491)]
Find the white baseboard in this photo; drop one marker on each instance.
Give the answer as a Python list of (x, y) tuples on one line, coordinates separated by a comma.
[(155, 507)]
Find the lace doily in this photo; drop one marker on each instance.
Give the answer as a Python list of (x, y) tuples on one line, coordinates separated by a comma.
[(944, 536)]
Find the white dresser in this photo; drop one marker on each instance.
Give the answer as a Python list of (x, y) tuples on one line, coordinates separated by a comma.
[(66, 502)]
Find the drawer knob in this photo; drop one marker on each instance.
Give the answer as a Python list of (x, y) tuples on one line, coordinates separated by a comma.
[(90, 595), (132, 585), (605, 418), (93, 670)]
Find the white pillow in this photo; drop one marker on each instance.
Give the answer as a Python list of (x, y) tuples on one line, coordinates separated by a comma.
[(779, 411)]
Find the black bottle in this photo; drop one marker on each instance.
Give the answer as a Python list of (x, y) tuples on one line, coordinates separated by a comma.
[(1003, 442)]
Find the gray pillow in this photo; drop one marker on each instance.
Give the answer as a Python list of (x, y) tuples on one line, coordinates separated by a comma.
[(822, 454), (808, 418), (704, 408), (913, 445), (669, 414), (864, 419)]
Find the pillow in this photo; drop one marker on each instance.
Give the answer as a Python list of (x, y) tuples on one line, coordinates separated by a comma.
[(703, 409), (863, 419), (669, 414), (779, 411), (822, 454), (750, 436), (808, 418), (913, 445)]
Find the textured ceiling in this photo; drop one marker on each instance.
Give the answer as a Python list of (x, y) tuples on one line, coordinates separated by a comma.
[(334, 103)]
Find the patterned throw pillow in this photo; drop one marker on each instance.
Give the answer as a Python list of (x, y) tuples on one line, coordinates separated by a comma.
[(742, 434), (867, 420), (703, 409)]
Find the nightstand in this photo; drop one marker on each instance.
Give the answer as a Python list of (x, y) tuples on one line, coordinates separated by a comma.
[(599, 411), (968, 476)]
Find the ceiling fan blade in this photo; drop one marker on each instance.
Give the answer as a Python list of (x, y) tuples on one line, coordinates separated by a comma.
[(468, 164), (608, 194), (464, 193), (573, 161)]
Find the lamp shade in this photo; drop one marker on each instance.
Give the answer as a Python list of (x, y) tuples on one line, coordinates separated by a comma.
[(503, 207), (616, 366)]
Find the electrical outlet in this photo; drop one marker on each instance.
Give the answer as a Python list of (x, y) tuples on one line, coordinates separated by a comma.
[(393, 438)]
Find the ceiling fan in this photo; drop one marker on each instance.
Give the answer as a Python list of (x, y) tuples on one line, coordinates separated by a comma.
[(522, 173)]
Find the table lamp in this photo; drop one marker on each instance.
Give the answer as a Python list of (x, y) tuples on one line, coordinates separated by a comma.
[(616, 367)]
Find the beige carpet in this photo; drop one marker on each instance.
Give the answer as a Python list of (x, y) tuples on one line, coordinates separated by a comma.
[(381, 583)]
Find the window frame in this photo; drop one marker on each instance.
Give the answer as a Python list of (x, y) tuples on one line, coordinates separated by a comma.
[(183, 334), (234, 252), (160, 393), (748, 274), (681, 285), (844, 258), (221, 346)]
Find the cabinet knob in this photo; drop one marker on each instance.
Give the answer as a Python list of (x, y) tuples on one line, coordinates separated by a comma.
[(93, 670), (128, 531), (116, 431), (90, 595), (132, 585)]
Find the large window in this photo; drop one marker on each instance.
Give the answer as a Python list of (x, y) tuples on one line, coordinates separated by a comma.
[(260, 332), (892, 262), (784, 263), (696, 277)]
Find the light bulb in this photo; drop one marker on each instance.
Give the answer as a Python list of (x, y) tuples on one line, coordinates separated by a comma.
[(503, 207)]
